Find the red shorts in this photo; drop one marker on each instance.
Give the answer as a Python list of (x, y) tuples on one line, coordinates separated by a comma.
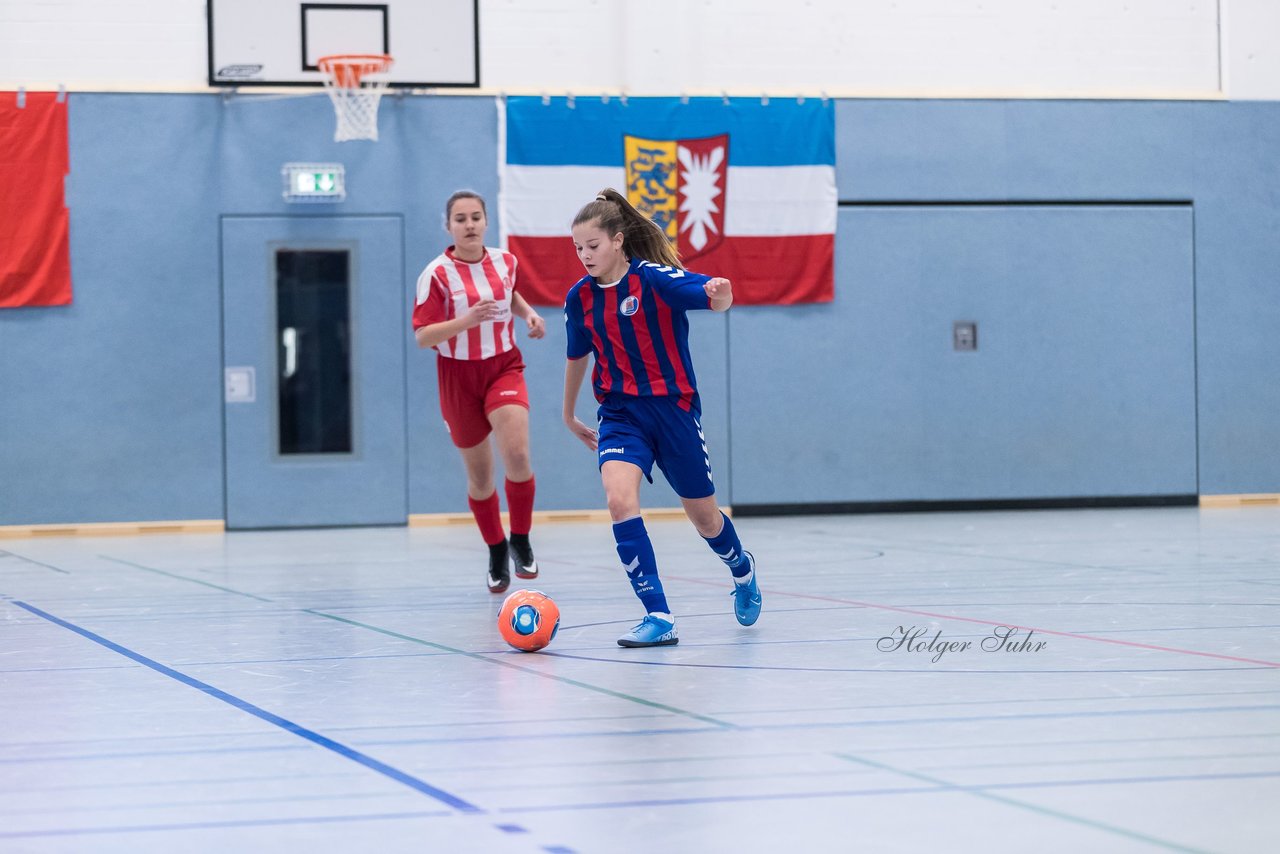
[(472, 388)]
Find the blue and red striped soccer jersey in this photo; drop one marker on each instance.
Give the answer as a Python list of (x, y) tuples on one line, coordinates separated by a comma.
[(638, 331)]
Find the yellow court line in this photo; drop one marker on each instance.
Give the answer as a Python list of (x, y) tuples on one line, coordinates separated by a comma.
[(113, 529), (1256, 499), (656, 514), (218, 526)]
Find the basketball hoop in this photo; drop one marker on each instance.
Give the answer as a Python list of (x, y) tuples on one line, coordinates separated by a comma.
[(355, 83)]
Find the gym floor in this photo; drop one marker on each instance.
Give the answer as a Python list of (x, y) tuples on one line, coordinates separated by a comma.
[(346, 689)]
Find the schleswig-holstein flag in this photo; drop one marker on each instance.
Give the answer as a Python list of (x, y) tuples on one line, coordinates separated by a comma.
[(745, 189)]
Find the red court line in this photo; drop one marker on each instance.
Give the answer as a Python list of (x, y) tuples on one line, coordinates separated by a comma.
[(993, 623)]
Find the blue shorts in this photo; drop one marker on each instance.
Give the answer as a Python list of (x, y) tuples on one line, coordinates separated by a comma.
[(647, 430)]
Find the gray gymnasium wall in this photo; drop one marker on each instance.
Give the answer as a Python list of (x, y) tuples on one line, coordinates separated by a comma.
[(1119, 258)]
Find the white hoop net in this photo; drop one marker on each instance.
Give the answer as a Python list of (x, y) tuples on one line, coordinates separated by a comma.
[(355, 83)]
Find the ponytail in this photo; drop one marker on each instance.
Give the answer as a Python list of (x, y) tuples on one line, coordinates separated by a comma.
[(641, 237)]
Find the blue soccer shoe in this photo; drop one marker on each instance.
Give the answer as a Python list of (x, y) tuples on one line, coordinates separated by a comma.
[(746, 597), (651, 631)]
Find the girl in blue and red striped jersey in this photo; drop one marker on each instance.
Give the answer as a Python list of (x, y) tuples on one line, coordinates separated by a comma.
[(629, 311), (465, 302)]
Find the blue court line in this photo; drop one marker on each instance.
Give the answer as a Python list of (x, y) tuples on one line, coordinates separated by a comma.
[(212, 825), (930, 721), (511, 828), (675, 731), (1021, 716), (67, 669), (1078, 742), (188, 781), (731, 799), (504, 767), (1108, 760), (262, 714), (1079, 698), (143, 754), (203, 803), (934, 786), (383, 728), (237, 662), (479, 739)]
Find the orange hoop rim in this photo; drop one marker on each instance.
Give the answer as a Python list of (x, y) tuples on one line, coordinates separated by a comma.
[(347, 69)]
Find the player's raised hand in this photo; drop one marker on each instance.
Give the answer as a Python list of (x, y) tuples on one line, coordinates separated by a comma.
[(584, 433), (537, 327), (718, 288), (486, 309)]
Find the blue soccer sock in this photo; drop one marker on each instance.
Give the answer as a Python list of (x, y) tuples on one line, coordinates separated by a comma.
[(728, 548), (638, 560)]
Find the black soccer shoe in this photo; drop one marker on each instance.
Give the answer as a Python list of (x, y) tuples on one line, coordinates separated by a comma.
[(522, 557), (499, 577)]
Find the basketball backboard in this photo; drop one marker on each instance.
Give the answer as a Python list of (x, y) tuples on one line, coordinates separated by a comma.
[(277, 42)]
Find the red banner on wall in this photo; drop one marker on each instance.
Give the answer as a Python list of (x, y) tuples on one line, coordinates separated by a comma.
[(35, 252)]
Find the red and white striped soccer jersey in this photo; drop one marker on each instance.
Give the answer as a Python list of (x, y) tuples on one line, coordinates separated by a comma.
[(448, 287)]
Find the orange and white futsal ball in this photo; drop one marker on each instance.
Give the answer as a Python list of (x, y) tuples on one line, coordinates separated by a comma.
[(528, 620)]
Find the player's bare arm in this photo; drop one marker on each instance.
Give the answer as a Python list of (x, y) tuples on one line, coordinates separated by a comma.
[(432, 334), (522, 309), (720, 292), (574, 371)]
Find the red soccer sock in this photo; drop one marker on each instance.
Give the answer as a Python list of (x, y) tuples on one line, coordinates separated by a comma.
[(488, 518), (520, 505)]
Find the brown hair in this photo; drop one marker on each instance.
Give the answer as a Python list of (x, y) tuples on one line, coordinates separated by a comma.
[(464, 194), (641, 237)]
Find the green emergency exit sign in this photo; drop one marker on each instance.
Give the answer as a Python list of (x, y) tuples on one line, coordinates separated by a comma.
[(314, 182)]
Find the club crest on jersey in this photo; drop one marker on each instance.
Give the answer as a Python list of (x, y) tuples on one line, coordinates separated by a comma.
[(681, 185), (629, 306)]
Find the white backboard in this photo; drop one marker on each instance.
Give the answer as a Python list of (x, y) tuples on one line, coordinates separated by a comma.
[(435, 43)]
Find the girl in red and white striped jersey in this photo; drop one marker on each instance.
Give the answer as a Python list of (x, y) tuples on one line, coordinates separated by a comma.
[(466, 302)]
